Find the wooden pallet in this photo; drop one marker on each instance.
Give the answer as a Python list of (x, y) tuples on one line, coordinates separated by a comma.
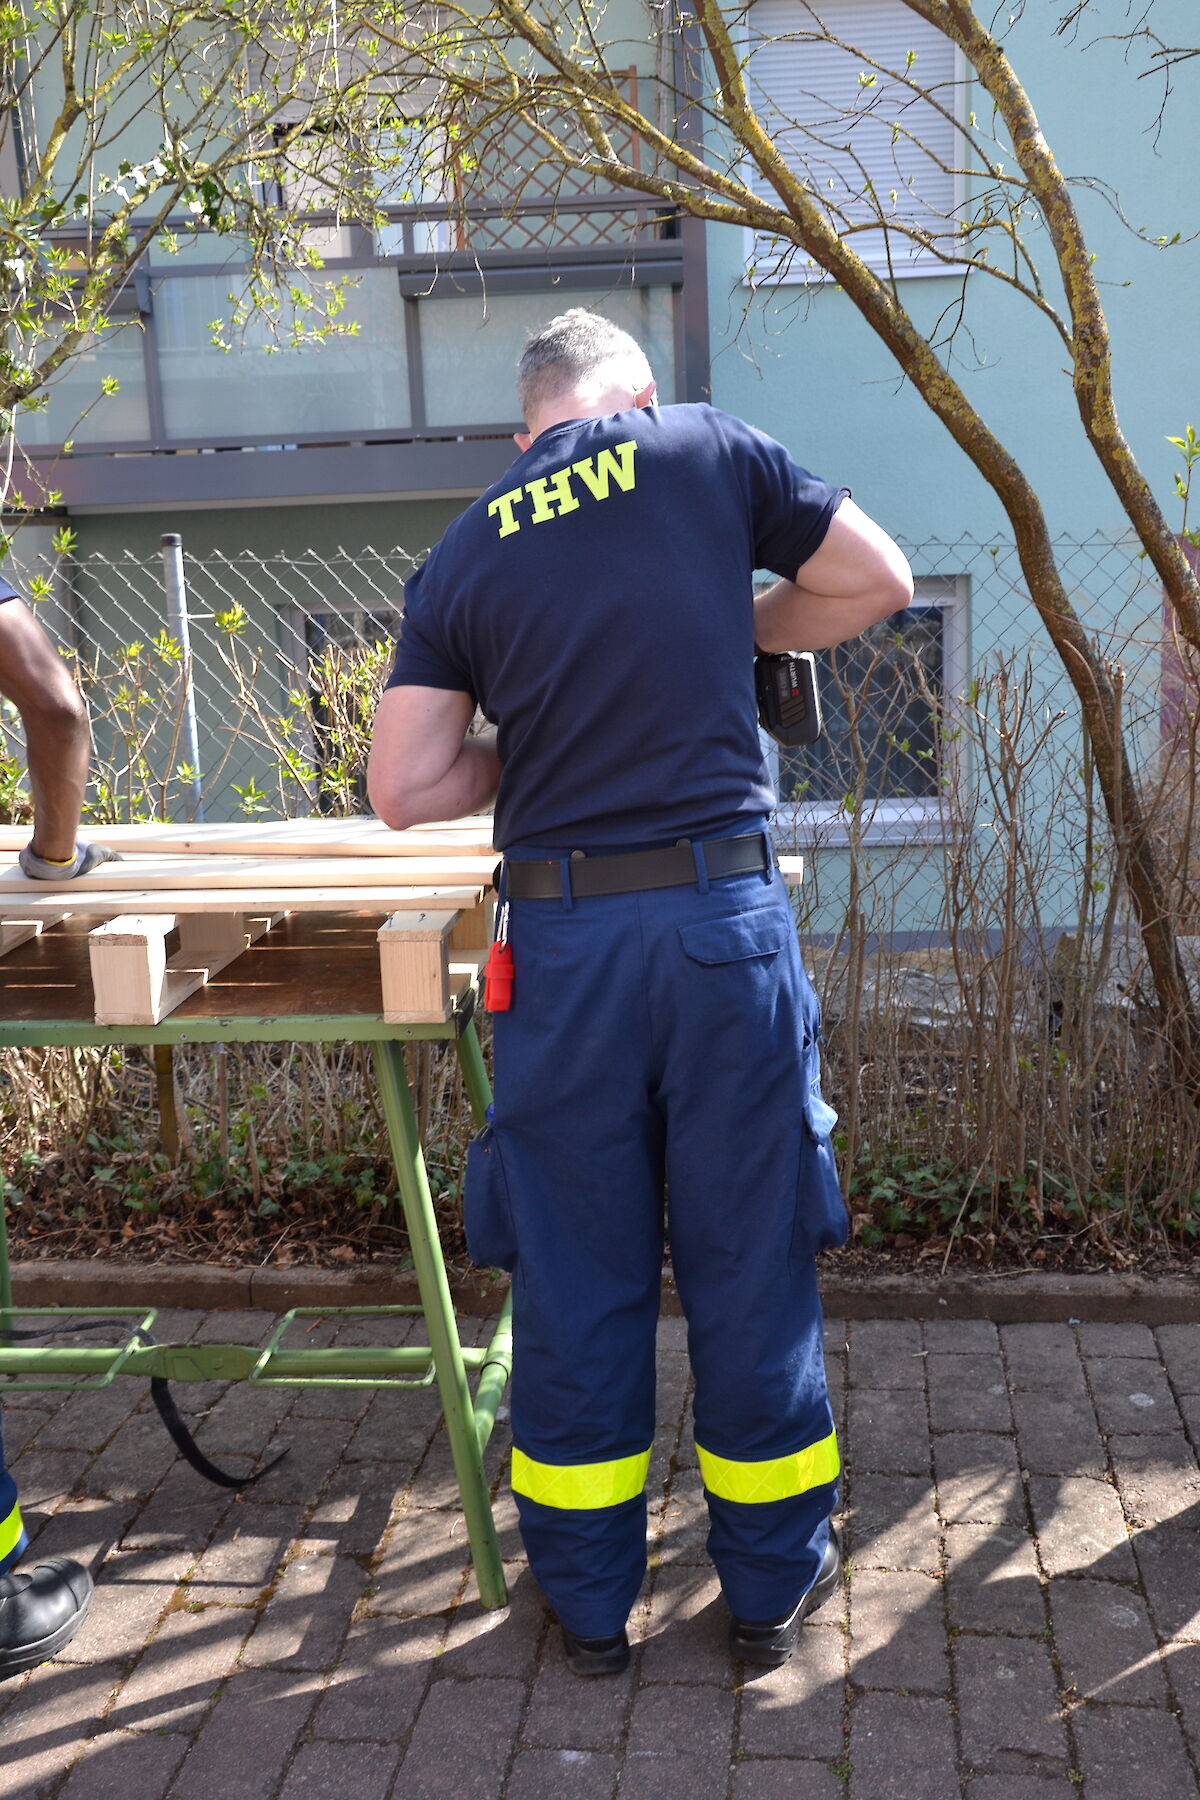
[(144, 965), (168, 922)]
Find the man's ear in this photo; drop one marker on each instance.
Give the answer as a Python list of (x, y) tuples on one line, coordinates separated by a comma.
[(648, 395), (522, 440)]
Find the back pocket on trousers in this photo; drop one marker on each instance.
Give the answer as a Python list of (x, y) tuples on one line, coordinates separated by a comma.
[(487, 1209), (737, 938)]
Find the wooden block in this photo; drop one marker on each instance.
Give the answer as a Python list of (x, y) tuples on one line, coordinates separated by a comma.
[(130, 981), (19, 928), (414, 967), (473, 931), (14, 932), (143, 967)]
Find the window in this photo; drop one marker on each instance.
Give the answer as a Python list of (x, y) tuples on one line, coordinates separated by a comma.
[(881, 759), (336, 653), (404, 163), (413, 165), (827, 78)]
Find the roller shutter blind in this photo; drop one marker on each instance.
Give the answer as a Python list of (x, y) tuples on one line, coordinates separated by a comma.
[(803, 70)]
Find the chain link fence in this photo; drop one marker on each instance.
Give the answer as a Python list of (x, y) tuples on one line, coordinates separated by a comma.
[(283, 646), (990, 1030)]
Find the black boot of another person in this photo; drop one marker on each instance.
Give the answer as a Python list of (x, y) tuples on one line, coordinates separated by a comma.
[(771, 1641), (41, 1609), (596, 1655)]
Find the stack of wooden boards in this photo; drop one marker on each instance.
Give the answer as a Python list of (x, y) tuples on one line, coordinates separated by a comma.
[(187, 900)]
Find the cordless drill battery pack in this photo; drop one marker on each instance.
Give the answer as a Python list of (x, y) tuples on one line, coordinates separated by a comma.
[(789, 705)]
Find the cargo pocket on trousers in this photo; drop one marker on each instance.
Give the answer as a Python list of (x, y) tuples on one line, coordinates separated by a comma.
[(487, 1209), (737, 938), (821, 1217)]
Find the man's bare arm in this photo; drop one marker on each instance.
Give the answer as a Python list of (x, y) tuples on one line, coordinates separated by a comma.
[(58, 738), (422, 765), (857, 577)]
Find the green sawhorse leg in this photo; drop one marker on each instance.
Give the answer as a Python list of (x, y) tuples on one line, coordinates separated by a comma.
[(467, 1422)]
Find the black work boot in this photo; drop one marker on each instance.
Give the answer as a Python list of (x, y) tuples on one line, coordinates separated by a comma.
[(771, 1641), (40, 1610), (596, 1655)]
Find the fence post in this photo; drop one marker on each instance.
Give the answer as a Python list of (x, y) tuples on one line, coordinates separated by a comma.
[(177, 622)]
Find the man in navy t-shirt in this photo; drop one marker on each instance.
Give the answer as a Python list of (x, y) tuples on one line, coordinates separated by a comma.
[(658, 1064)]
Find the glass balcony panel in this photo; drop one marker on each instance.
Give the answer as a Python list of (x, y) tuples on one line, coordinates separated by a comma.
[(469, 352), (78, 411), (264, 387)]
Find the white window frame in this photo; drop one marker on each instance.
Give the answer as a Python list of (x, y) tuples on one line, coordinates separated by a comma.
[(796, 270), (823, 824)]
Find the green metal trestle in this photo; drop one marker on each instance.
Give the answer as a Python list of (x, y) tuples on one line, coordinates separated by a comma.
[(80, 1361)]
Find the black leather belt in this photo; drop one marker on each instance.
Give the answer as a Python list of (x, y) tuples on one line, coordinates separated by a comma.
[(632, 871)]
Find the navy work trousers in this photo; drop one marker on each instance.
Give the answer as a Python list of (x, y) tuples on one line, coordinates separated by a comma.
[(659, 1063)]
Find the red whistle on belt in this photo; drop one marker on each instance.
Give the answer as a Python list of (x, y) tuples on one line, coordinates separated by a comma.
[(498, 970), (498, 979)]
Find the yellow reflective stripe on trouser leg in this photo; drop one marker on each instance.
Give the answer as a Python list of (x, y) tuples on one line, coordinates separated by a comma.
[(778, 1478), (10, 1532), (579, 1487)]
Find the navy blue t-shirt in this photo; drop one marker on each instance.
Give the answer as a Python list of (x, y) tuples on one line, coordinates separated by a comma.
[(597, 603), (7, 592)]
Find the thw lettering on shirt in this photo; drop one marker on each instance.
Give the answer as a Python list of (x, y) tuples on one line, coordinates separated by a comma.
[(551, 496)]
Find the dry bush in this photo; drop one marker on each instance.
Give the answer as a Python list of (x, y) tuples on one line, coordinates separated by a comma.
[(1003, 1083)]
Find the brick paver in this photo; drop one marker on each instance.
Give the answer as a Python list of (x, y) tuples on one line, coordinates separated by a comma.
[(1020, 1620)]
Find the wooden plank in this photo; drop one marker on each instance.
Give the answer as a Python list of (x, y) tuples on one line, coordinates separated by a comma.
[(262, 873), (107, 903), (284, 837), (144, 967)]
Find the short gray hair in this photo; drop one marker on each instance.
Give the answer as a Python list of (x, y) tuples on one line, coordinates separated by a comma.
[(571, 350)]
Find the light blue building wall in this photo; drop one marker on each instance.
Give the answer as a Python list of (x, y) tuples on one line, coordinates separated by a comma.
[(805, 366), (799, 361)]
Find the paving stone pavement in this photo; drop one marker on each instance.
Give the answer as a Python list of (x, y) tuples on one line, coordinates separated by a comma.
[(1020, 1620)]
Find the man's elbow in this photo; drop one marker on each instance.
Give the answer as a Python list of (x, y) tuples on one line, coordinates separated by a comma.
[(393, 805), (898, 591)]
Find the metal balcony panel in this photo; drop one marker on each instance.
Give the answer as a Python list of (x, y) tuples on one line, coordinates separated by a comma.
[(346, 383), (322, 475)]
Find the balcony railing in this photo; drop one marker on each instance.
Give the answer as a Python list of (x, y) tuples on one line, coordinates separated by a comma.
[(442, 306)]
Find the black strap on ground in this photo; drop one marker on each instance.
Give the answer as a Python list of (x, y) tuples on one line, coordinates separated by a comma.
[(164, 1401), (185, 1443)]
